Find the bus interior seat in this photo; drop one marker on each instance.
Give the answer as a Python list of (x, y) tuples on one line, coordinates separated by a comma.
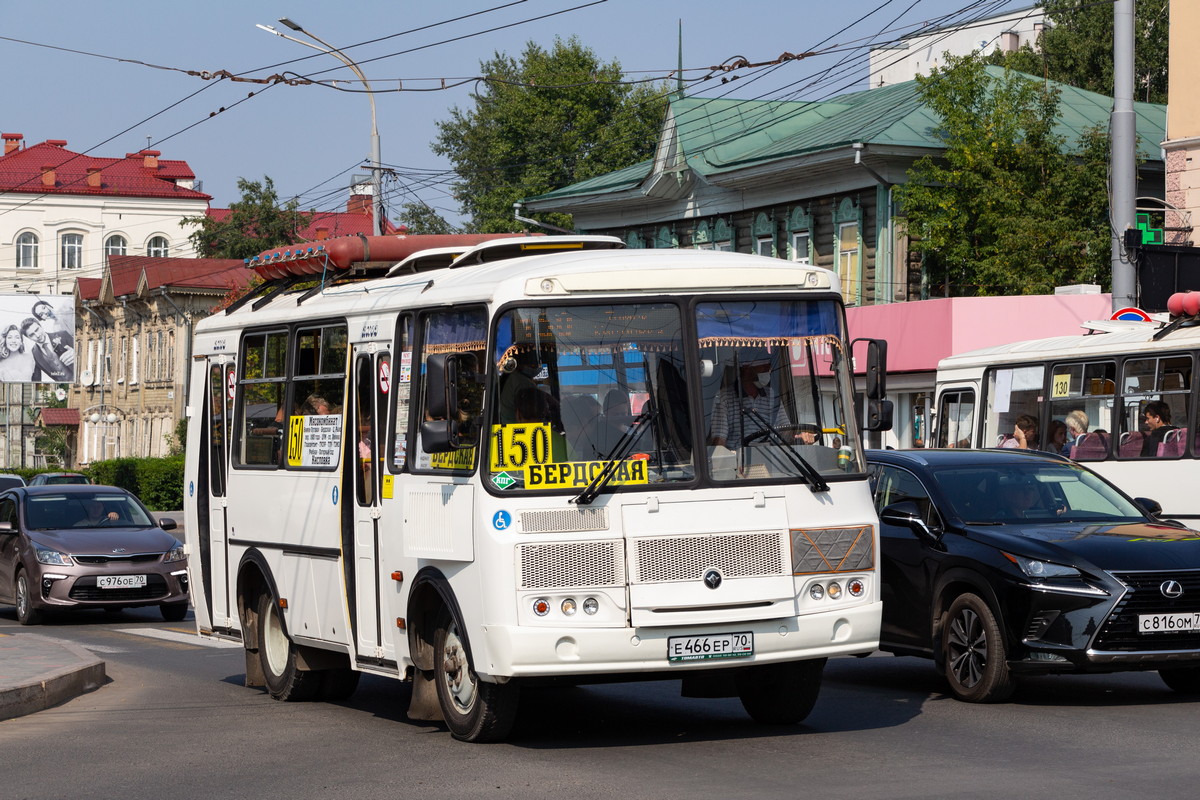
[(1090, 447), (1131, 444), (1173, 444)]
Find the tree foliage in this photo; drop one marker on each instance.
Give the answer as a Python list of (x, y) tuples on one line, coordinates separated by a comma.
[(1010, 207), (418, 218), (256, 222), (549, 119), (1077, 48)]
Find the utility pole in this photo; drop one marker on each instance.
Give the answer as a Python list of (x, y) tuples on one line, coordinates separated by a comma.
[(1123, 168)]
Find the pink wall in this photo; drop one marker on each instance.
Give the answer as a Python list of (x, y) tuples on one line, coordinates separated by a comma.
[(921, 333)]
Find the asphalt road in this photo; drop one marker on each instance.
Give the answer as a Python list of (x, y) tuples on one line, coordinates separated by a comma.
[(174, 721)]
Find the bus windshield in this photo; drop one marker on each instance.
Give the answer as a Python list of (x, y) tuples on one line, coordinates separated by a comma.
[(574, 381), (775, 390), (618, 395)]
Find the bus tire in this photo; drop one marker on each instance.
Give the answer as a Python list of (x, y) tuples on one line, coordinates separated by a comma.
[(26, 613), (277, 655), (473, 710), (1185, 680), (975, 656), (780, 694)]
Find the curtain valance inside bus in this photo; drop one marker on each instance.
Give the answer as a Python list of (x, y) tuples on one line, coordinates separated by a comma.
[(598, 329), (766, 323), (455, 331)]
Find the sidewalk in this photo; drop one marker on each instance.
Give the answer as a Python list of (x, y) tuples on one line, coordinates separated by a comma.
[(37, 672)]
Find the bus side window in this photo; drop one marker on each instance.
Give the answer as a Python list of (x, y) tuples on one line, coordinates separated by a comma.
[(956, 418), (402, 392)]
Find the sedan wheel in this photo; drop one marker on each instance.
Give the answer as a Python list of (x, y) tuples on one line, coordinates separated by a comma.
[(975, 656), (26, 613)]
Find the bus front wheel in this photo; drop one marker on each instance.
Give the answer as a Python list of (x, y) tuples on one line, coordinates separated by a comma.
[(780, 694), (474, 711), (284, 679)]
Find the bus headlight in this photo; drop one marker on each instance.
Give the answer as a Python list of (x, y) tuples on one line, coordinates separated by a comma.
[(816, 591), (591, 606), (835, 590), (568, 607)]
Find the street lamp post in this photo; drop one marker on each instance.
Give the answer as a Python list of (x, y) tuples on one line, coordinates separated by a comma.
[(325, 47)]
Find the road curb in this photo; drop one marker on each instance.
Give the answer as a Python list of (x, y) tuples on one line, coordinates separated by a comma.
[(77, 672)]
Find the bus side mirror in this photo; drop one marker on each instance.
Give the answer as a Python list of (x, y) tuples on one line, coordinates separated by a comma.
[(452, 418), (876, 371), (878, 416)]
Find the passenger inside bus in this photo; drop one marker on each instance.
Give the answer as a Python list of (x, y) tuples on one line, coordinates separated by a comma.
[(1077, 425), (518, 372), (1024, 435), (1056, 437), (1156, 416)]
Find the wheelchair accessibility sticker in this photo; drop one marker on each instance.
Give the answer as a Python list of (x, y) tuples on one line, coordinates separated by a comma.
[(502, 521)]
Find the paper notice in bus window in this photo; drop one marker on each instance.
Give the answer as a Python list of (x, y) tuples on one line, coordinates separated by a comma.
[(578, 474), (1061, 385), (518, 446), (313, 440), (1003, 390)]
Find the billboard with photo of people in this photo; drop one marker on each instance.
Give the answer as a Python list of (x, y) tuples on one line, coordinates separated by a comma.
[(37, 338)]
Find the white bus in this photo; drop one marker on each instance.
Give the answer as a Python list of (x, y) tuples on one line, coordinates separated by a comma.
[(1119, 399), (535, 459)]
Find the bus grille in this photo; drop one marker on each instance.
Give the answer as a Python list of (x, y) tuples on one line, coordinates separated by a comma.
[(553, 566), (1119, 631), (572, 520), (832, 550), (685, 558)]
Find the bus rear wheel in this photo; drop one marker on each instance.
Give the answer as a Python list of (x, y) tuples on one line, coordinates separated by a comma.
[(277, 655), (780, 694), (474, 711)]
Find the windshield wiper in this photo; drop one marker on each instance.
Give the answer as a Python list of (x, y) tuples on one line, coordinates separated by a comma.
[(615, 456), (807, 471)]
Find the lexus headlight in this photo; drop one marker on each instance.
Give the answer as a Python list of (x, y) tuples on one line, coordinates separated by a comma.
[(1043, 569), (175, 553), (47, 556)]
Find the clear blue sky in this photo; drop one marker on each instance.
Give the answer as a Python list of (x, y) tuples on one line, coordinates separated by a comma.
[(310, 140)]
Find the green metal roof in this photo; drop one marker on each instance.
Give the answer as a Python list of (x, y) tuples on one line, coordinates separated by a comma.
[(723, 135)]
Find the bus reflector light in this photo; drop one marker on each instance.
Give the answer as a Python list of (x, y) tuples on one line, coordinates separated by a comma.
[(541, 606), (398, 576), (856, 588), (283, 602), (400, 623), (568, 607), (591, 606)]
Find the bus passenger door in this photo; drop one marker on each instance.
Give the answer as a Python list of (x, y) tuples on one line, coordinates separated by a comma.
[(372, 382), (214, 547)]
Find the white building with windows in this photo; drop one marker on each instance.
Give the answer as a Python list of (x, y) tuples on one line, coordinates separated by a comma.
[(62, 213), (923, 50)]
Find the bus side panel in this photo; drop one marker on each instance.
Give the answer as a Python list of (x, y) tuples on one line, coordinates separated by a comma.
[(294, 519)]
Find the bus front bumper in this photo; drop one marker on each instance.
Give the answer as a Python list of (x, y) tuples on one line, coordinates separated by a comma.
[(527, 651)]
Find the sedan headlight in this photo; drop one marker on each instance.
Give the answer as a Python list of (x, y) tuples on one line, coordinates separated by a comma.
[(47, 556), (175, 554), (1043, 569)]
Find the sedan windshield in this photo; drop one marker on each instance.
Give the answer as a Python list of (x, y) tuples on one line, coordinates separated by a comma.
[(1044, 492), (84, 510)]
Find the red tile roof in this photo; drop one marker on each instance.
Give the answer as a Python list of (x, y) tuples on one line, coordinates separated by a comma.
[(60, 416), (140, 174), (127, 273), (89, 288), (325, 224)]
